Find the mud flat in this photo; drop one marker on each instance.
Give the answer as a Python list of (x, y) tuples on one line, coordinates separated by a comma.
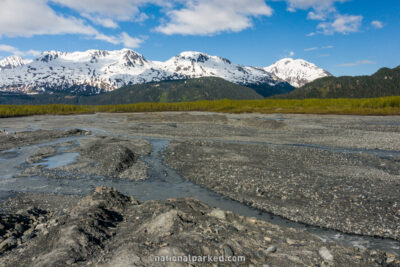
[(353, 193), (200, 177), (107, 228)]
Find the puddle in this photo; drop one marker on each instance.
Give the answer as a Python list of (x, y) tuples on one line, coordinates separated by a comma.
[(59, 160), (11, 160)]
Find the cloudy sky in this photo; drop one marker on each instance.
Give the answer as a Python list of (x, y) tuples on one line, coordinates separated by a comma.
[(346, 37)]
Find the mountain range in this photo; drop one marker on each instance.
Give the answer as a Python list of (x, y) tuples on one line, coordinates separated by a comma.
[(97, 71)]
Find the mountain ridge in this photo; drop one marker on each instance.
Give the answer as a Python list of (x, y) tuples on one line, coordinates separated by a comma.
[(97, 71)]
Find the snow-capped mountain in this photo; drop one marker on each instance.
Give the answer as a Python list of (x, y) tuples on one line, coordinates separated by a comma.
[(13, 62), (196, 65), (297, 72), (92, 71), (96, 71)]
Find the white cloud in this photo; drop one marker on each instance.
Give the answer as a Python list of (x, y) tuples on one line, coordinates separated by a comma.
[(315, 16), (123, 38), (8, 48), (122, 9), (291, 53), (342, 24), (35, 17), (317, 48), (131, 42), (311, 49), (15, 51), (105, 22), (321, 8), (377, 24), (31, 52), (325, 10), (206, 17), (108, 12), (356, 63)]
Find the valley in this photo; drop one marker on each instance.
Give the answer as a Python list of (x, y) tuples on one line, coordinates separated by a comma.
[(279, 189)]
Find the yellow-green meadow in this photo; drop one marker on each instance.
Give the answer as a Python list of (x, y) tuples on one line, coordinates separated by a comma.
[(350, 106)]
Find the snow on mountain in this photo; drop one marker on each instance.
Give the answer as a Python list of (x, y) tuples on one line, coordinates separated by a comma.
[(297, 72), (13, 62), (96, 71), (195, 64), (92, 70)]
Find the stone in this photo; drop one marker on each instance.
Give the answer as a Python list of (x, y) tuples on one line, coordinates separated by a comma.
[(390, 258), (290, 242), (267, 239), (19, 228), (217, 213), (228, 251), (252, 220), (271, 249), (325, 254)]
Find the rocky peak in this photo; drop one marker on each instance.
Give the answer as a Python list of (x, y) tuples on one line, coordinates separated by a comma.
[(12, 62), (132, 58)]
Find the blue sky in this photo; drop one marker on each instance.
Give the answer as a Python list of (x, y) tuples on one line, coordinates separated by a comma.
[(346, 37)]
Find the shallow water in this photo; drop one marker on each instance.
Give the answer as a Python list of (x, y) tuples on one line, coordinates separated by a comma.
[(61, 158), (163, 183)]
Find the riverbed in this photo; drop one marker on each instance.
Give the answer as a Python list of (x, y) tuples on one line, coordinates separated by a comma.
[(333, 177)]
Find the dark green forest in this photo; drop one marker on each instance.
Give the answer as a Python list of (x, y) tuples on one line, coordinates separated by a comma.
[(208, 88), (385, 82)]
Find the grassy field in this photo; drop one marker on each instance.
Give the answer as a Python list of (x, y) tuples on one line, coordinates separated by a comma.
[(366, 106)]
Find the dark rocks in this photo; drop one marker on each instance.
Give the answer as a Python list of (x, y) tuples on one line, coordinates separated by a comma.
[(107, 228), (19, 227)]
